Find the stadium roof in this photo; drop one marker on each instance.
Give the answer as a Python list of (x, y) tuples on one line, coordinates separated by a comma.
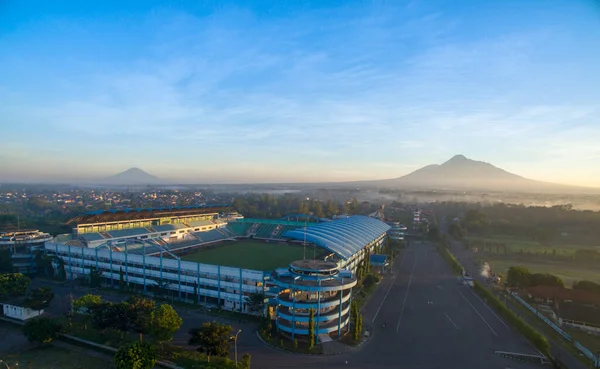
[(114, 215), (345, 236)]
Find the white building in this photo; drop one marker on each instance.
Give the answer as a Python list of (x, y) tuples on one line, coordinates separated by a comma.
[(183, 280), (20, 312)]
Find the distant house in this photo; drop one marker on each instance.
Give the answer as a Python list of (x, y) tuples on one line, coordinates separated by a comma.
[(18, 312)]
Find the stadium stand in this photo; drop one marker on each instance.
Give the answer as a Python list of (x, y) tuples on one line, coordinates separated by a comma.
[(92, 237), (239, 229), (201, 223), (265, 230), (210, 236), (164, 228), (128, 232)]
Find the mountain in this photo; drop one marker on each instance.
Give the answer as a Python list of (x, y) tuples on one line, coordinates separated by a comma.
[(132, 176), (462, 173)]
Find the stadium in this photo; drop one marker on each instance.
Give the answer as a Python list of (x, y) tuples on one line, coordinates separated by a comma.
[(210, 255)]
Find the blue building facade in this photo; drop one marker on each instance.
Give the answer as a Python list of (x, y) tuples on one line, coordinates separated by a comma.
[(315, 284)]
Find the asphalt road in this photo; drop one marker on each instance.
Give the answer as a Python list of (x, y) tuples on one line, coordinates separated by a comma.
[(432, 321), (466, 258)]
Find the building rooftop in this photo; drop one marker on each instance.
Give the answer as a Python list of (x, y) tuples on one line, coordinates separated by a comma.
[(102, 216), (344, 237), (314, 265)]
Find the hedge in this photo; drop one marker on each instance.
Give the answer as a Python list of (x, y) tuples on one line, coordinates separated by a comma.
[(535, 337), (450, 259)]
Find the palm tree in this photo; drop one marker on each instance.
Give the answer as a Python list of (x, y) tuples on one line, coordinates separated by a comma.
[(256, 302)]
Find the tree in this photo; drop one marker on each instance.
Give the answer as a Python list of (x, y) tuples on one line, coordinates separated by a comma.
[(587, 286), (246, 361), (545, 279), (370, 281), (140, 314), (121, 278), (39, 298), (13, 284), (95, 278), (102, 317), (84, 305), (519, 277), (135, 355), (256, 302), (456, 231), (6, 265), (41, 330), (311, 328), (213, 339), (164, 321)]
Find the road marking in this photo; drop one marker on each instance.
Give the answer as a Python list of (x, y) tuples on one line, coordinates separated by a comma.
[(382, 301), (455, 326), (406, 295), (482, 318), (491, 311), (389, 288)]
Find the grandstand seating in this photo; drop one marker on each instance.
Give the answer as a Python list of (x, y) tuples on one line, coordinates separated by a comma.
[(128, 232), (210, 236), (239, 229), (92, 237), (265, 230), (164, 227), (200, 223)]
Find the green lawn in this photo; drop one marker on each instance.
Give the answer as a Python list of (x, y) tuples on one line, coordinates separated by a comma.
[(519, 244), (250, 254), (569, 273), (52, 357)]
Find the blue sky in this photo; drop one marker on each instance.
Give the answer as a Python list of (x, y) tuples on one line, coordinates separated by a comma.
[(254, 91)]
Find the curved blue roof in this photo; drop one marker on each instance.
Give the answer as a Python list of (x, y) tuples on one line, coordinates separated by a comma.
[(345, 236)]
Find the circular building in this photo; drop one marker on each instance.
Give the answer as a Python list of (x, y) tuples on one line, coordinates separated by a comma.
[(316, 284)]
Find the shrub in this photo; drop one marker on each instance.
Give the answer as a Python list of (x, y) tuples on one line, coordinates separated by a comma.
[(41, 330), (135, 355)]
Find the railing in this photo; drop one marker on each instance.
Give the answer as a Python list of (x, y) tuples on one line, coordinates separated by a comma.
[(584, 350)]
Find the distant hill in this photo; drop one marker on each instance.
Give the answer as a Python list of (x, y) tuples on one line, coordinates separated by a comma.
[(132, 176), (462, 173)]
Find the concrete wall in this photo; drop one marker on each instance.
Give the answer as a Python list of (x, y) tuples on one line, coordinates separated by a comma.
[(19, 312)]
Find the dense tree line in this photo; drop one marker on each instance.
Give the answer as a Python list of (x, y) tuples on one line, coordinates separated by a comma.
[(274, 207), (560, 223), (521, 277)]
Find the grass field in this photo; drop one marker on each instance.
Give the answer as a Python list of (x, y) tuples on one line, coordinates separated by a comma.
[(250, 254), (534, 256), (516, 245), (52, 357), (568, 273)]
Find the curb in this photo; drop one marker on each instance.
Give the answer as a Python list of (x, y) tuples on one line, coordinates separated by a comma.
[(350, 348), (283, 350)]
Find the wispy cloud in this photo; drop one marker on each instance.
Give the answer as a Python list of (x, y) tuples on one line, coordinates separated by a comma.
[(343, 89)]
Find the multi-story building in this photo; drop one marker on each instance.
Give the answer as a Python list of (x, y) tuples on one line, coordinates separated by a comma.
[(317, 285), (22, 243)]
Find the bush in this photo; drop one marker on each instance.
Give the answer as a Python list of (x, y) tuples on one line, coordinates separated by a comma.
[(135, 355), (535, 337), (41, 330)]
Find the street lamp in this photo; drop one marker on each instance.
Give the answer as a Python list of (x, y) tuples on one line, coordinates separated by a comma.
[(5, 364), (235, 338)]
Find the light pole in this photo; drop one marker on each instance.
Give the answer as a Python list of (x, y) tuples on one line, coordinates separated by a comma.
[(5, 364), (235, 338)]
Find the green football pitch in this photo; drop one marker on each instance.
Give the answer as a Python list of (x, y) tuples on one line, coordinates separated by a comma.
[(250, 254)]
